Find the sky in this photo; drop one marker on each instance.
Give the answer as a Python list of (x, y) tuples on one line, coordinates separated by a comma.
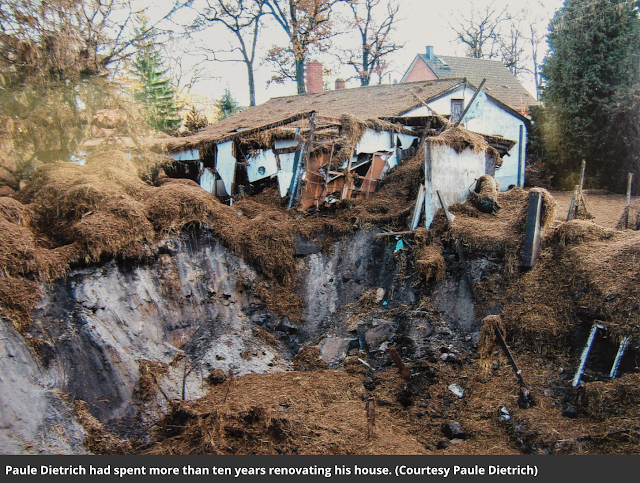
[(422, 23)]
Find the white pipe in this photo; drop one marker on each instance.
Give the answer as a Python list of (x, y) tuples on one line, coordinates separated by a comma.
[(616, 363), (585, 354)]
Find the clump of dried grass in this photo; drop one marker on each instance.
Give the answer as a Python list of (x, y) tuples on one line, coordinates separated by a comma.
[(308, 359), (536, 327), (487, 343), (428, 255), (150, 371), (352, 128), (98, 440), (460, 139), (485, 195), (602, 400), (630, 218)]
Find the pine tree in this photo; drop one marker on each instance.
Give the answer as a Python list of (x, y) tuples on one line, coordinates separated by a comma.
[(156, 92), (592, 72), (195, 121), (227, 105)]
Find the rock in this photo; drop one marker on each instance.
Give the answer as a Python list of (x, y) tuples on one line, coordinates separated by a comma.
[(570, 413), (369, 384), (453, 430), (442, 444), (216, 377), (457, 390), (375, 336), (333, 350), (456, 441), (380, 295)]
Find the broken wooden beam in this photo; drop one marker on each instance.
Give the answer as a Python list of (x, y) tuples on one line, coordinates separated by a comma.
[(574, 203), (466, 109), (396, 358), (371, 416), (533, 232), (396, 233)]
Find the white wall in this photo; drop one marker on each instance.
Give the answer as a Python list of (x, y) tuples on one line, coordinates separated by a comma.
[(486, 117), (452, 174)]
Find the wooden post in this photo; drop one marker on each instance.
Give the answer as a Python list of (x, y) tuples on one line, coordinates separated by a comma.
[(626, 210), (584, 165), (371, 415), (396, 358), (572, 206), (533, 230)]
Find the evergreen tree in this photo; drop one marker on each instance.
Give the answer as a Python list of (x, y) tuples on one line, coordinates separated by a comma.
[(592, 73), (156, 92), (195, 121), (227, 105)]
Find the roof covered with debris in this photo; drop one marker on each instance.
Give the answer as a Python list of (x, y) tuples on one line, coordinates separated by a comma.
[(372, 102), (501, 84)]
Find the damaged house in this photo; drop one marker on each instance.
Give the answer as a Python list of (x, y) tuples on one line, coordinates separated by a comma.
[(501, 108), (321, 148)]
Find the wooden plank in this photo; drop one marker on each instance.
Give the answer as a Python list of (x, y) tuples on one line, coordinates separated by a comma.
[(396, 233), (371, 416), (572, 206), (533, 232), (628, 205)]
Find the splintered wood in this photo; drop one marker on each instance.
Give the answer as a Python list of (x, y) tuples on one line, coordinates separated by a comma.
[(396, 358)]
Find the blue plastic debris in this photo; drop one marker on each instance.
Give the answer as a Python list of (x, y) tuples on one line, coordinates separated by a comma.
[(399, 246), (384, 303)]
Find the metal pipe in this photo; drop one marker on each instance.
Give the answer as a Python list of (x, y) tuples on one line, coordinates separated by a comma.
[(616, 363), (585, 353)]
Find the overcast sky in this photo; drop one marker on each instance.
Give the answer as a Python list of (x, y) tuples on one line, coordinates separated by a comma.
[(423, 22)]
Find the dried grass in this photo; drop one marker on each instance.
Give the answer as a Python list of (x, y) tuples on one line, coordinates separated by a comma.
[(602, 400), (283, 413), (428, 255)]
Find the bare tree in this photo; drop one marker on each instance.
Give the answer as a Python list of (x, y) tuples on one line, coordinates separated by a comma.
[(243, 19), (375, 31), (513, 46), (308, 25), (480, 32)]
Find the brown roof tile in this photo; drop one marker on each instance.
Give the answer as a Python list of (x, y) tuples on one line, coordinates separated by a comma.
[(365, 103)]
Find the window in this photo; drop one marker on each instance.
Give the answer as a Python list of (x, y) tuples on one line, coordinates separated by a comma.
[(456, 109)]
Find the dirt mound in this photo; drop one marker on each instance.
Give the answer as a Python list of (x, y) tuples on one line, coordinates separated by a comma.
[(103, 209), (500, 233)]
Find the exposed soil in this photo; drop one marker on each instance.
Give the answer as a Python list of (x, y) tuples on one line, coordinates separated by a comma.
[(606, 207)]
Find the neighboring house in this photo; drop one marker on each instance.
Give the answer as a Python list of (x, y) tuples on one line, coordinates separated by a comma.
[(501, 109), (324, 147)]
